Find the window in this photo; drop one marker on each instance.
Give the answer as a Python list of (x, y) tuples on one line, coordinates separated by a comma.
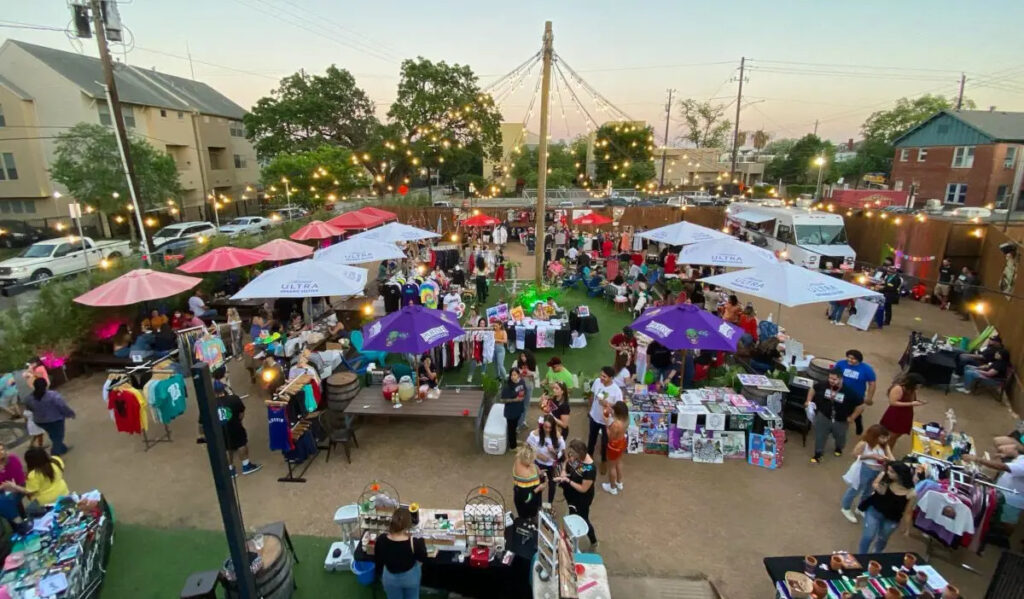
[(240, 161), (1001, 195), (897, 185), (181, 114), (785, 234), (236, 128), (922, 153), (3, 121), (104, 111), (163, 113), (820, 234), (904, 155), (30, 206), (128, 114), (956, 193), (963, 157), (217, 158), (1008, 162), (9, 167)]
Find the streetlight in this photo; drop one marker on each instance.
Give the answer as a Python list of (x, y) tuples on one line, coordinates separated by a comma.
[(820, 162), (287, 192)]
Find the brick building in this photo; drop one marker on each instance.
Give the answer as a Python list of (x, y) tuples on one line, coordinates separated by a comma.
[(965, 158)]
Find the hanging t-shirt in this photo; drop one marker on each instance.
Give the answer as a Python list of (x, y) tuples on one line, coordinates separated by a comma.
[(307, 398), (169, 397), (410, 294), (392, 297), (280, 433), (126, 406), (428, 294), (211, 351)]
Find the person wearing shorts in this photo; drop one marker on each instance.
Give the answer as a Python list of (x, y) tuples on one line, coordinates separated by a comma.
[(617, 439), (230, 411), (944, 284)]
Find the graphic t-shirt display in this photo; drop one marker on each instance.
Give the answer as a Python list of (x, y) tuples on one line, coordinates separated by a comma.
[(169, 398)]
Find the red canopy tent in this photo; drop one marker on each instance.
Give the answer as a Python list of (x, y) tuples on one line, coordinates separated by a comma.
[(481, 220), (592, 218), (387, 216), (139, 285), (221, 259), (282, 249), (317, 229), (356, 220)]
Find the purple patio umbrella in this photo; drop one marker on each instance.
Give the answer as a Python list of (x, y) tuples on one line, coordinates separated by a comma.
[(685, 326), (411, 330)]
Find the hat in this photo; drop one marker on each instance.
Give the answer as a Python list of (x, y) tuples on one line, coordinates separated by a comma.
[(218, 386), (554, 361)]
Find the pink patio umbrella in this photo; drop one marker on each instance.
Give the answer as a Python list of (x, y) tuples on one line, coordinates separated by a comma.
[(139, 285), (377, 212), (279, 250), (221, 259), (356, 220), (481, 220), (317, 229)]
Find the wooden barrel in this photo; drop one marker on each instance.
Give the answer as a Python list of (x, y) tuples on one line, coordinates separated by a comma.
[(274, 580), (819, 368), (341, 388)]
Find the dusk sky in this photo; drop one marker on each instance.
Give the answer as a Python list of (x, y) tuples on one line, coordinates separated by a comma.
[(832, 61)]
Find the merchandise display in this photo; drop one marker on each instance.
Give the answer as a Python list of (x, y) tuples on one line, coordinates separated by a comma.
[(869, 576), (64, 554)]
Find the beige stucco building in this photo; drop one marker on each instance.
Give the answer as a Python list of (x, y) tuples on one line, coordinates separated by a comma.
[(513, 135), (706, 167), (44, 91)]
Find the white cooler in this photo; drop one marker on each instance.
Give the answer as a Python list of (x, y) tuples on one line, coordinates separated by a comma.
[(496, 431)]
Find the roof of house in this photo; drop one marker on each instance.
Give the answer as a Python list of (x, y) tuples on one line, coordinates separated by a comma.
[(996, 125), (4, 81), (134, 85)]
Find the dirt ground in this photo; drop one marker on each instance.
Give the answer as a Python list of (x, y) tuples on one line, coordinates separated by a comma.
[(674, 518)]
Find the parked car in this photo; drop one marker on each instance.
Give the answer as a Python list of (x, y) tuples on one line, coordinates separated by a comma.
[(246, 225), (62, 256), (648, 202), (677, 201), (180, 230), (171, 248), (597, 203), (286, 214), (567, 204), (971, 212), (619, 201), (442, 204), (16, 233)]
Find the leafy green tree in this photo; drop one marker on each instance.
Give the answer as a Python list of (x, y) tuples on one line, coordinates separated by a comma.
[(887, 125), (704, 123), (316, 175), (462, 183), (562, 169), (623, 154), (88, 164), (778, 147), (797, 166), (306, 111), (873, 156)]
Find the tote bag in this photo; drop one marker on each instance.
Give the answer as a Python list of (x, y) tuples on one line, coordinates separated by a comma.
[(852, 476)]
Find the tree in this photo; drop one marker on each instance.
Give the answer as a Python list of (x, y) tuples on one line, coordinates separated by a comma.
[(306, 111), (887, 125), (88, 164), (760, 139), (778, 147), (705, 123), (873, 156), (623, 154), (797, 166), (562, 169), (316, 176)]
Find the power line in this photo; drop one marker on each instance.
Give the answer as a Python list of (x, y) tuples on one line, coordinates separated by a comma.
[(20, 25), (659, 66), (854, 66), (366, 39)]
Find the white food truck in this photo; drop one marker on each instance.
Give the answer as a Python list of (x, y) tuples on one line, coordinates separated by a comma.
[(810, 238)]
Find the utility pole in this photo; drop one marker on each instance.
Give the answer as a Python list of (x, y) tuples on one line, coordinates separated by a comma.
[(121, 133), (736, 126), (960, 96), (542, 151), (815, 127), (664, 148)]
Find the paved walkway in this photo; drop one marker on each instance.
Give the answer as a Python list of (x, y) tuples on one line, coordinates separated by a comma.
[(674, 517)]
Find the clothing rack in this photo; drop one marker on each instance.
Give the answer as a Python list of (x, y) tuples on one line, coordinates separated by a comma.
[(148, 367), (961, 471), (297, 430)]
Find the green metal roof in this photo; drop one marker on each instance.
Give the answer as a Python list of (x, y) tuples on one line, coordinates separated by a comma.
[(134, 85), (965, 127)]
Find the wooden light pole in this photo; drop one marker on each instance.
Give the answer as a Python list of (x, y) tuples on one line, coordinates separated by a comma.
[(542, 151)]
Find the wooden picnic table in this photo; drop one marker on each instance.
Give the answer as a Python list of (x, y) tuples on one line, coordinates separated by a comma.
[(471, 404)]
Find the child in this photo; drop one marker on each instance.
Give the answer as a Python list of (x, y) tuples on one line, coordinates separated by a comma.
[(235, 323)]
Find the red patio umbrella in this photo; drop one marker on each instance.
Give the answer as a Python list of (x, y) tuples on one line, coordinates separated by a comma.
[(317, 229), (384, 214), (281, 249), (139, 285), (592, 218), (356, 220), (481, 220), (221, 259)]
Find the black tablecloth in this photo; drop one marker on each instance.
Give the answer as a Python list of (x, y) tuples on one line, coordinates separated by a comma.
[(778, 566), (936, 368), (562, 337), (497, 581), (583, 324)]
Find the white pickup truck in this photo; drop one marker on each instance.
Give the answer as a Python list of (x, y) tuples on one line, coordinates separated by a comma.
[(59, 257)]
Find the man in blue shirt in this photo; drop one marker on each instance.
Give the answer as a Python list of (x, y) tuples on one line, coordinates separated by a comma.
[(860, 377)]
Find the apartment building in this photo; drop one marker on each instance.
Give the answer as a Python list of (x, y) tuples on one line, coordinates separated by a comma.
[(44, 91), (513, 135), (705, 167), (966, 158)]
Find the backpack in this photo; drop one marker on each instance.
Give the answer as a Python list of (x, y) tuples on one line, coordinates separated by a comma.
[(767, 329)]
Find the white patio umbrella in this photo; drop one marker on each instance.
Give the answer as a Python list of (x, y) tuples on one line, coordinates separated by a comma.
[(726, 252), (306, 278), (682, 233), (358, 251), (395, 232), (789, 284)]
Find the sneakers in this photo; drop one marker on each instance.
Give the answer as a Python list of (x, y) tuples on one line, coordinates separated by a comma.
[(849, 515), (837, 453), (251, 467), (609, 488), (618, 486), (816, 459), (962, 389), (840, 324), (469, 379), (858, 512)]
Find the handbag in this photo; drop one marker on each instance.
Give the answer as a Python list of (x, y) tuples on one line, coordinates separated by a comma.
[(852, 476)]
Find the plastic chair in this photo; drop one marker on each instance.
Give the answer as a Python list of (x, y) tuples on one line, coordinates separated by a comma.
[(356, 338), (576, 528)]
